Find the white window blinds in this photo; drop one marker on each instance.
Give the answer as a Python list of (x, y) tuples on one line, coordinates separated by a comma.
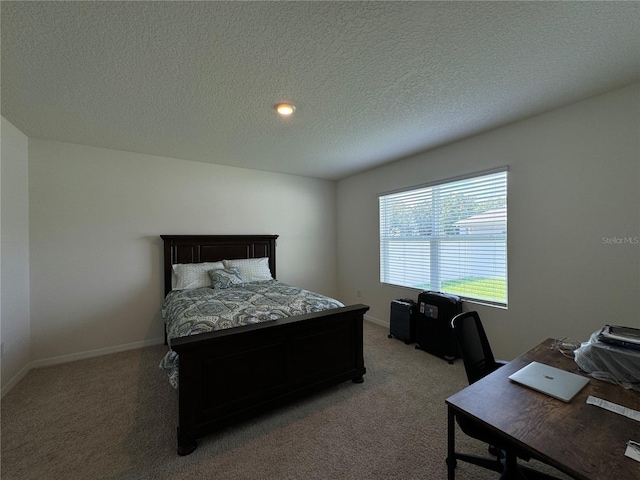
[(448, 237)]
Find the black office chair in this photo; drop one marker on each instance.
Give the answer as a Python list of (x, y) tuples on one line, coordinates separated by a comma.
[(478, 362), (474, 346)]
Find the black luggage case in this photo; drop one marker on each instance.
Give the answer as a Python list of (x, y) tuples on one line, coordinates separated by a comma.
[(402, 320), (434, 333)]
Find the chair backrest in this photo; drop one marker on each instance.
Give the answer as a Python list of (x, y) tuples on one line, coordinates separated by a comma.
[(475, 350)]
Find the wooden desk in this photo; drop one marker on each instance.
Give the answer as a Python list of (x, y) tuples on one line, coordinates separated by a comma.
[(583, 441)]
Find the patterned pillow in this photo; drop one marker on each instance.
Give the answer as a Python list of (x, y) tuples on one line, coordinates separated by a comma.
[(251, 269), (193, 275), (225, 278)]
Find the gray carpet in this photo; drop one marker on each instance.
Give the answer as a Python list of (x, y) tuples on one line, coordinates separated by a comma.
[(114, 417)]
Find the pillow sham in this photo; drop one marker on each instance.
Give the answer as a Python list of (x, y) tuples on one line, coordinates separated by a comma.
[(251, 269), (225, 278), (193, 275)]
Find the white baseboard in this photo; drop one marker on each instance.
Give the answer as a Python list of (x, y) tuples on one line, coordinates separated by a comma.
[(16, 378), (46, 362), (377, 321)]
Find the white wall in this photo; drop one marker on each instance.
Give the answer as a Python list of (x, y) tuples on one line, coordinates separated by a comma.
[(96, 255), (14, 255), (574, 178), (92, 220)]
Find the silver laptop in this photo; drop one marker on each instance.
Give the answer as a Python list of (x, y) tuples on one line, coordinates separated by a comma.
[(557, 383)]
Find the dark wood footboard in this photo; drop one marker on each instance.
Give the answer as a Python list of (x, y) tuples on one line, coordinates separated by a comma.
[(230, 375)]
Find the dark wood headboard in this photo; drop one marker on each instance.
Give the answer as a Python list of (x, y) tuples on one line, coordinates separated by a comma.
[(214, 248)]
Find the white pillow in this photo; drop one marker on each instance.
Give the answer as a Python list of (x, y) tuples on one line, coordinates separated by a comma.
[(251, 269), (193, 275)]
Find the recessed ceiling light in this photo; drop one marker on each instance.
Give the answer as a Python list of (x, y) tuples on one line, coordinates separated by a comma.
[(285, 109)]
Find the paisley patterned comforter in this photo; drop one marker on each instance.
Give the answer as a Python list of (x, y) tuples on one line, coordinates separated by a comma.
[(199, 310)]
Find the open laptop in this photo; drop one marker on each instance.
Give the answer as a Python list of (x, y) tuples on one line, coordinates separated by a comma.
[(557, 383)]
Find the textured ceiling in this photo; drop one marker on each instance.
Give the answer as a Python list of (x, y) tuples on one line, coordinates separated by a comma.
[(372, 81)]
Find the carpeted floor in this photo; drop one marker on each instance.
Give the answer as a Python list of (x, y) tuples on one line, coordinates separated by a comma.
[(114, 417)]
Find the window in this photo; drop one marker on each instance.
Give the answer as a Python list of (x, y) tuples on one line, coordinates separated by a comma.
[(448, 237)]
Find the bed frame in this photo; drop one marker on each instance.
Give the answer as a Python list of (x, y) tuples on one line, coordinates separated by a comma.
[(230, 375)]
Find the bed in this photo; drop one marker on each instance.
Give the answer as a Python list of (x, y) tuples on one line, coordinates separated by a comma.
[(227, 376)]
